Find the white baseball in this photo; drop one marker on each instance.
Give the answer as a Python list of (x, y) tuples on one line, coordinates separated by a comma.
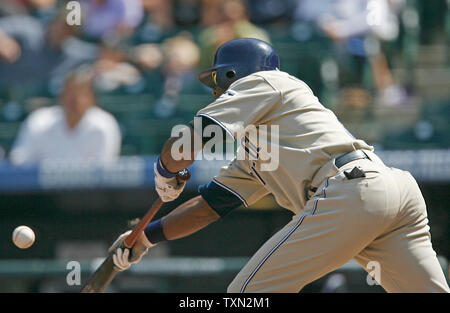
[(23, 237)]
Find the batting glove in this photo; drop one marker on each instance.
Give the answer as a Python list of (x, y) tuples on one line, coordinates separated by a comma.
[(166, 183), (121, 256)]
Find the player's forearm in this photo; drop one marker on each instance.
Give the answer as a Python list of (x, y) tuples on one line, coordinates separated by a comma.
[(168, 151), (169, 162), (188, 218)]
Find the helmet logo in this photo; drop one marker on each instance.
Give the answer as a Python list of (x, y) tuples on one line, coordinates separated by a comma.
[(214, 76)]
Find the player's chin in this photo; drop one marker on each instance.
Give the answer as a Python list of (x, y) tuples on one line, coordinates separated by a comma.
[(217, 92)]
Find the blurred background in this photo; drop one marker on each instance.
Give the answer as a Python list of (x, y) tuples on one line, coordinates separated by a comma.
[(90, 90)]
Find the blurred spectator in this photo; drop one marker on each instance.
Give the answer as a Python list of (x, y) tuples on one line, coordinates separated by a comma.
[(42, 4), (357, 28), (39, 8), (149, 58), (10, 49), (181, 57), (23, 41), (210, 12), (105, 18), (44, 10), (12, 7), (232, 23), (269, 11), (114, 72), (187, 13), (345, 19), (158, 20), (75, 129)]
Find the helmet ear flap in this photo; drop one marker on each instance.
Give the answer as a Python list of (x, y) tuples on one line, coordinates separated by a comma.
[(226, 76), (219, 77)]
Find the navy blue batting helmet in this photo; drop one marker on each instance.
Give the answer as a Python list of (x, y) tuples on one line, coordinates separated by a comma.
[(238, 58)]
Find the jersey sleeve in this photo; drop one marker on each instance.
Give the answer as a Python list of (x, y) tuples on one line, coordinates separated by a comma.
[(246, 102), (233, 187)]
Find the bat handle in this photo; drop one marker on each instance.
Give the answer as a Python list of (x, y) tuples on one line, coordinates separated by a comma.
[(129, 242), (132, 237)]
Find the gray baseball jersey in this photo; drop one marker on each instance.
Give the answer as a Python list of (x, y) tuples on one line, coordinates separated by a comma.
[(379, 216), (309, 136)]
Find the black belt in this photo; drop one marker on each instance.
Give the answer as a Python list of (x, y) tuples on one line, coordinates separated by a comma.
[(349, 157)]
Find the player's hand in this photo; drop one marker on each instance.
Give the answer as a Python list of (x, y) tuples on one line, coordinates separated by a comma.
[(168, 189), (121, 257)]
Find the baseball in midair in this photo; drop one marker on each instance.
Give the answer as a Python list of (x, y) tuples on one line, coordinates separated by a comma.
[(23, 237)]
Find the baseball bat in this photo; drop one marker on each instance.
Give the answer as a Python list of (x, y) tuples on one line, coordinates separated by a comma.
[(106, 272)]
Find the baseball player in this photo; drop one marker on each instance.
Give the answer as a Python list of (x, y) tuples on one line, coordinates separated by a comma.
[(346, 202)]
